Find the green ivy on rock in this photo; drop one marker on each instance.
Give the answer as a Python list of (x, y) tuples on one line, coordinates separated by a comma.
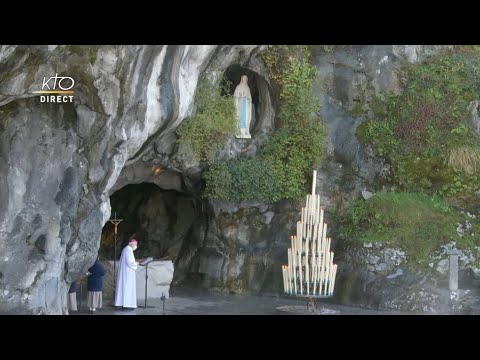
[(295, 147), (425, 132), (206, 131)]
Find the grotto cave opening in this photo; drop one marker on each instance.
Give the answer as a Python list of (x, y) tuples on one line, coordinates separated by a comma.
[(162, 221)]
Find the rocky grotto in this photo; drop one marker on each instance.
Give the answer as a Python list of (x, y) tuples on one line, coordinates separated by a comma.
[(129, 143)]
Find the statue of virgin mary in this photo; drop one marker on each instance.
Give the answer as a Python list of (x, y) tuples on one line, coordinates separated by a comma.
[(243, 106)]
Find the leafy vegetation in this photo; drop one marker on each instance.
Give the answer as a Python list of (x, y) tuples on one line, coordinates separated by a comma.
[(213, 122), (293, 149), (415, 222), (425, 133)]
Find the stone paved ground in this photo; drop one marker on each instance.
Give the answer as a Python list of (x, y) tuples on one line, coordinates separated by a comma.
[(190, 302)]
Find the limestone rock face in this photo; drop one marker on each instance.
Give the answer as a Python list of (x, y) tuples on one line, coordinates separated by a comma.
[(60, 162), (241, 249), (377, 276), (349, 76)]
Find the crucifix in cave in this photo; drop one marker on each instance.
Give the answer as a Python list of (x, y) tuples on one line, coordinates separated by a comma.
[(310, 272), (115, 223)]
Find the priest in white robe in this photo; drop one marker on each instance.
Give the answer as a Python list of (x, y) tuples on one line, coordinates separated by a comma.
[(126, 291)]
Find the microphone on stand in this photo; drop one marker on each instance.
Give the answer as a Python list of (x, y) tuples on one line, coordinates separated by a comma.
[(145, 263), (163, 300)]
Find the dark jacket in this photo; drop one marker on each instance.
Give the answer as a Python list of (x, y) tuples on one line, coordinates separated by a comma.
[(95, 280), (73, 287)]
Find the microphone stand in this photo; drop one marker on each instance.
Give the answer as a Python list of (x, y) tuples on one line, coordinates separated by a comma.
[(146, 285)]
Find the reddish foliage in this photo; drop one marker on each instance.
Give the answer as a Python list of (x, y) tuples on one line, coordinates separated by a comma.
[(414, 131)]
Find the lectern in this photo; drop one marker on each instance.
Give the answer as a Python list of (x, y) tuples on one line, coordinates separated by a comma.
[(145, 263)]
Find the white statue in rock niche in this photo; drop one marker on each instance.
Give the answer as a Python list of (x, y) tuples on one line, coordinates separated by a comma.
[(243, 105)]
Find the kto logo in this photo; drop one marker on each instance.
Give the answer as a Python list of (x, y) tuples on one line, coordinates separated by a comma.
[(59, 85)]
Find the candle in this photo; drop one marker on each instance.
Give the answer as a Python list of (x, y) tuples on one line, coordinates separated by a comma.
[(317, 211), (314, 272), (330, 277), (304, 229), (302, 273), (314, 183), (334, 271), (294, 272), (334, 276), (327, 272), (310, 213), (319, 278), (299, 234), (288, 280), (324, 238), (299, 258), (314, 207), (330, 288), (308, 208), (317, 275), (319, 238), (322, 269), (294, 269), (307, 277), (314, 239), (289, 265), (320, 231)]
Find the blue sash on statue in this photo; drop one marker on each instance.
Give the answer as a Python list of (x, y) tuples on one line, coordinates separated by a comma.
[(243, 120)]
